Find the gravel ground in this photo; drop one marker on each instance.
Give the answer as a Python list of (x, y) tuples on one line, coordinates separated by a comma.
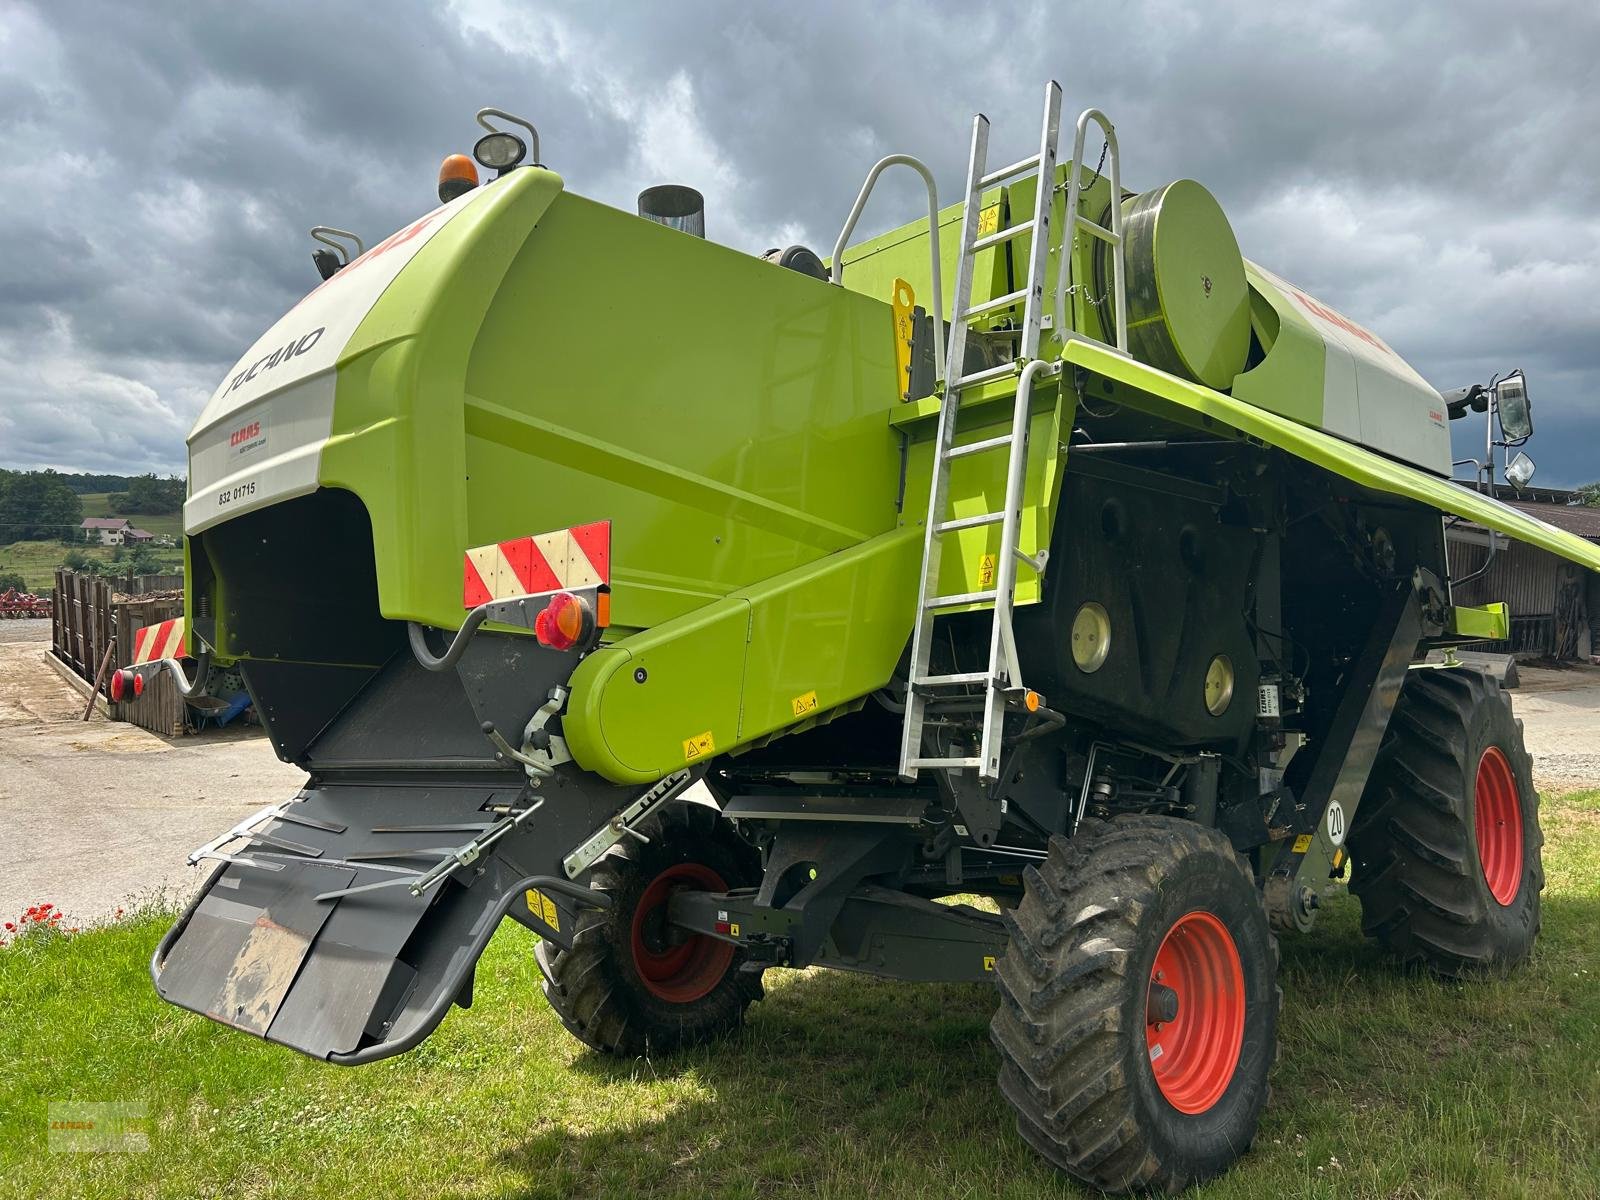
[(95, 814), (1560, 713)]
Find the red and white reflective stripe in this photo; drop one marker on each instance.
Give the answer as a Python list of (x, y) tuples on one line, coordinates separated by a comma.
[(155, 642), (577, 557)]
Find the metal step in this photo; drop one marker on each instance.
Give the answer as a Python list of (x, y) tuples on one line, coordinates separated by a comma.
[(969, 522), (1004, 235), (987, 375), (993, 443), (960, 679), (988, 306), (955, 601), (1004, 173)]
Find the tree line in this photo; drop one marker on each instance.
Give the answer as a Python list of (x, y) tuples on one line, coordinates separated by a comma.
[(45, 505)]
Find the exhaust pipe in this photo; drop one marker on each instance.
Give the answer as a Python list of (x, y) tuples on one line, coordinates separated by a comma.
[(675, 206)]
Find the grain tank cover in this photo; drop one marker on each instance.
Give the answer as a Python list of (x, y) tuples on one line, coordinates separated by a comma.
[(1188, 302)]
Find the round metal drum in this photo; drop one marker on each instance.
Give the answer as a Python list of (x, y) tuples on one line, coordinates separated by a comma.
[(1188, 303)]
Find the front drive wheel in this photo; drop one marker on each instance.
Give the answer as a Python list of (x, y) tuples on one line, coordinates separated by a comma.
[(1139, 1005), (631, 984), (1446, 843)]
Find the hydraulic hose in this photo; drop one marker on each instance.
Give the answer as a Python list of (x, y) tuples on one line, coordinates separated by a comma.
[(418, 636)]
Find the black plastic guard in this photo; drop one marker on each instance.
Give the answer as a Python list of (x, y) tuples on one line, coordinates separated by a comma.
[(362, 976)]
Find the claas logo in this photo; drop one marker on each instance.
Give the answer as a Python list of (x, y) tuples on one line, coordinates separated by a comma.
[(245, 433)]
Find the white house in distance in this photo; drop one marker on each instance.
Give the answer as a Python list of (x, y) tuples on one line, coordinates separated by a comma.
[(113, 531)]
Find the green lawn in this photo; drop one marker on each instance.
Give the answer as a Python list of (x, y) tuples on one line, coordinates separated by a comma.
[(1389, 1085)]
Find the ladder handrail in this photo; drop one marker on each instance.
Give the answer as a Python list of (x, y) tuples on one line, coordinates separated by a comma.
[(1113, 235), (878, 168)]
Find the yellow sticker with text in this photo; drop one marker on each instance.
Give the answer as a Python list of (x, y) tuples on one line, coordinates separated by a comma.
[(986, 566), (804, 704), (544, 908), (989, 220), (904, 305), (699, 747), (1302, 843)]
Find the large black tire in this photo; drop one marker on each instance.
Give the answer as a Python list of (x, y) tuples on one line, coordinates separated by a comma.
[(1077, 1030), (627, 987), (1449, 819)]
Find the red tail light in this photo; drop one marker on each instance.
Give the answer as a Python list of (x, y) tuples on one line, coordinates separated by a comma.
[(564, 622), (126, 685)]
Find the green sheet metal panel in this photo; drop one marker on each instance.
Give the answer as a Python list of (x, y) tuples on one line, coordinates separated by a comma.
[(547, 361), (662, 699), (1168, 396), (770, 657)]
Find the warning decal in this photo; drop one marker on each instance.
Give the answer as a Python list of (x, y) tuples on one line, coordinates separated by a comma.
[(804, 704), (544, 908), (696, 748), (163, 640), (576, 557)]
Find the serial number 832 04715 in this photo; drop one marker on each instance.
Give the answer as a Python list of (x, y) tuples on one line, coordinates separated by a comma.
[(243, 491)]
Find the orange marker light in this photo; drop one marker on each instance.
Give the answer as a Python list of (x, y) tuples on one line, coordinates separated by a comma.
[(458, 175), (564, 622)]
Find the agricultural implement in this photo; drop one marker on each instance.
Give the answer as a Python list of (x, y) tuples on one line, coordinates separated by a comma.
[(15, 605), (708, 613)]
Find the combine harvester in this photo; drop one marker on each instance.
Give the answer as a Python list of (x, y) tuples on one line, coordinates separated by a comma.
[(1107, 599)]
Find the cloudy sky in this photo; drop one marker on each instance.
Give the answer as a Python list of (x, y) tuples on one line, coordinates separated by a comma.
[(1430, 170)]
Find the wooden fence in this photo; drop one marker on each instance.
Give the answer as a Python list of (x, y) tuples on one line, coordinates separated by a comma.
[(88, 617), (80, 621)]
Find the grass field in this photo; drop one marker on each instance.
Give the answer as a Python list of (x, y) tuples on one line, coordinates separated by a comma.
[(1389, 1084)]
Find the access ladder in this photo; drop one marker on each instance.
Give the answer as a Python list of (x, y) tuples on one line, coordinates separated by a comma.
[(1001, 680)]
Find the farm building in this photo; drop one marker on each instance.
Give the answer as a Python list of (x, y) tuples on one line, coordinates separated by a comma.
[(1555, 604), (107, 531)]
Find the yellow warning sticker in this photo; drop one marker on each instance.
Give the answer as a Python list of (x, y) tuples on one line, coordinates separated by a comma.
[(988, 962), (903, 303), (986, 566), (733, 928), (1302, 843), (544, 908), (989, 220), (699, 747), (804, 704)]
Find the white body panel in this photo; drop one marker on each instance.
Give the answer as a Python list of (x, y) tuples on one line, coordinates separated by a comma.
[(259, 438), (1371, 395)]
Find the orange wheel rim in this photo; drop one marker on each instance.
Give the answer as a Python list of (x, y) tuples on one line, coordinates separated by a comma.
[(1194, 1013), (683, 972), (1498, 821)]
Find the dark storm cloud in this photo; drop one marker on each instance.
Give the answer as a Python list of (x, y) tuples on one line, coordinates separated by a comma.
[(1429, 170)]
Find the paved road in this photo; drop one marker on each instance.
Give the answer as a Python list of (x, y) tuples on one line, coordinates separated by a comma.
[(96, 814), (93, 815)]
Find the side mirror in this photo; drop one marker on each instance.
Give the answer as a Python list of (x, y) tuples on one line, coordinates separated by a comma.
[(1516, 413), (1520, 471)]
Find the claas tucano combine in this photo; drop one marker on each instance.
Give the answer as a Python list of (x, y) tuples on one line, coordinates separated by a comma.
[(709, 613)]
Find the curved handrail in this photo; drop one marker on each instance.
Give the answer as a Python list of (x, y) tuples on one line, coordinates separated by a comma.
[(326, 233), (533, 144), (837, 271), (1064, 273)]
